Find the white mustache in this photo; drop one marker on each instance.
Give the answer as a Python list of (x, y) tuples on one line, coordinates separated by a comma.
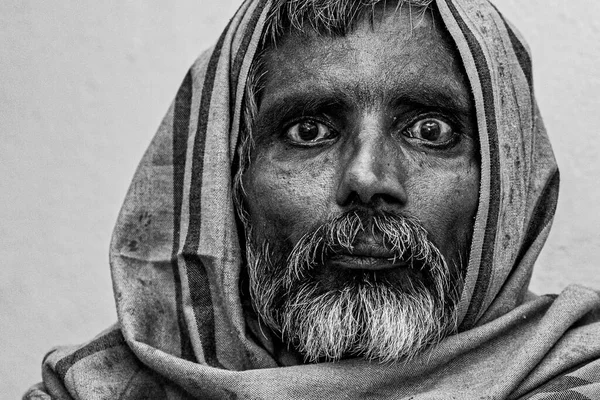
[(378, 320), (382, 234)]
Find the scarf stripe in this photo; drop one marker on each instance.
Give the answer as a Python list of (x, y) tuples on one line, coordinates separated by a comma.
[(104, 342), (197, 276), (251, 41), (487, 257), (240, 56), (181, 123), (237, 23), (547, 201), (522, 55), (520, 50)]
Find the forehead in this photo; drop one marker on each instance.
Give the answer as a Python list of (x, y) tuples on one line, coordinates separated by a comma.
[(392, 53)]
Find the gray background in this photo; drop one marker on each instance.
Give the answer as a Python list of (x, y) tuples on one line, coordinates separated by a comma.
[(83, 87)]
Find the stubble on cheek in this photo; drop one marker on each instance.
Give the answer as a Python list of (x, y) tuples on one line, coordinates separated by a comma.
[(445, 199), (464, 199), (285, 199)]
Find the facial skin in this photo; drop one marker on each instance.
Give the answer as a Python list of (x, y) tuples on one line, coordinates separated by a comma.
[(378, 120)]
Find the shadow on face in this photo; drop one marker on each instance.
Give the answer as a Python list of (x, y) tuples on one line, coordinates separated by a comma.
[(377, 121), (380, 118)]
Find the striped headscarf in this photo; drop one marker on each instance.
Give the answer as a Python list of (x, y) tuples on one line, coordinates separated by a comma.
[(176, 259)]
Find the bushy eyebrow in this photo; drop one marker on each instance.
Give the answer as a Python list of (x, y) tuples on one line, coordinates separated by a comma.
[(308, 100), (443, 98), (301, 103)]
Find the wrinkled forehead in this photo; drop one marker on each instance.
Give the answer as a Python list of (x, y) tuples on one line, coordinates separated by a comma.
[(332, 17), (389, 50), (400, 21)]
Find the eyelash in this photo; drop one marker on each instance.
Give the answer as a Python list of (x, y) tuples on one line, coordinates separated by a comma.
[(298, 120), (437, 115), (431, 114)]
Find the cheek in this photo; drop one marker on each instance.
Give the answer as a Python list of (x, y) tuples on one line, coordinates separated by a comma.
[(448, 204), (285, 199)]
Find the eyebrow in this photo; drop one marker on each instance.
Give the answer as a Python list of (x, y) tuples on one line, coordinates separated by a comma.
[(448, 99), (329, 98), (305, 102)]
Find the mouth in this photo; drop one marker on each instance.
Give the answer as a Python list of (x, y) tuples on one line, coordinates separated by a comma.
[(367, 257)]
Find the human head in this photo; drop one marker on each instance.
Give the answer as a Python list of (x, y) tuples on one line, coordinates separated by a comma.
[(323, 213)]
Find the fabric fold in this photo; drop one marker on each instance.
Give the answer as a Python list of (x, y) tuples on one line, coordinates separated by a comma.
[(183, 330)]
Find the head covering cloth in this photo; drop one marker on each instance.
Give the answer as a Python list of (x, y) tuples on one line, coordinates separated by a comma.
[(183, 331)]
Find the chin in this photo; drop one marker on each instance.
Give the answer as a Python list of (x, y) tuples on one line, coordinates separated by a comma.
[(331, 297)]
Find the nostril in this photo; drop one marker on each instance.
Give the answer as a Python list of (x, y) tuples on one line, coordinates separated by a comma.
[(362, 189), (371, 174), (373, 201), (351, 200), (386, 199)]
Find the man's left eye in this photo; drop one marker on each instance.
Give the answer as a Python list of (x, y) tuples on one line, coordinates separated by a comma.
[(309, 132), (432, 130)]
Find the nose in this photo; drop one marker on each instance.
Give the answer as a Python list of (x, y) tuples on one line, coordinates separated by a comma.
[(372, 171)]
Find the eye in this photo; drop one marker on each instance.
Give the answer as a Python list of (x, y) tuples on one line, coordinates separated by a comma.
[(432, 130), (309, 132)]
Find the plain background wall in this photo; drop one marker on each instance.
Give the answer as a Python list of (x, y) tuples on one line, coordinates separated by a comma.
[(83, 87)]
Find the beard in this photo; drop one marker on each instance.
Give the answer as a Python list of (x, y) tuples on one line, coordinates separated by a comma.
[(329, 314)]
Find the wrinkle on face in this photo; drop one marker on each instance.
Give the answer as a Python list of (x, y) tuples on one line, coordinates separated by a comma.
[(362, 84)]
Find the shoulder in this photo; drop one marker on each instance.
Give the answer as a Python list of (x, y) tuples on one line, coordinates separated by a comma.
[(104, 368), (580, 383)]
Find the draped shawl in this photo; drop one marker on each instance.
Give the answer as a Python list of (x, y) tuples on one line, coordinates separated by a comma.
[(183, 331)]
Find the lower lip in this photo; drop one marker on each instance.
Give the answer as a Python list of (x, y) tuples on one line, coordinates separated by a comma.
[(364, 263)]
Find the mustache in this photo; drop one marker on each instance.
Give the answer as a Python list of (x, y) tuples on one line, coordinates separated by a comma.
[(401, 238), (369, 314)]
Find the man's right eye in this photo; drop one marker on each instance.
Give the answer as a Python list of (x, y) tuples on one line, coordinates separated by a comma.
[(309, 132)]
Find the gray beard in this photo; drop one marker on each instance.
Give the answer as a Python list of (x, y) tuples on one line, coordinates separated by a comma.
[(367, 314)]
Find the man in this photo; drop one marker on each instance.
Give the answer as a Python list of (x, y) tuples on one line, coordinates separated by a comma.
[(345, 200)]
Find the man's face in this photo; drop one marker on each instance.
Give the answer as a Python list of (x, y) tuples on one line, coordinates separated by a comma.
[(374, 124)]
